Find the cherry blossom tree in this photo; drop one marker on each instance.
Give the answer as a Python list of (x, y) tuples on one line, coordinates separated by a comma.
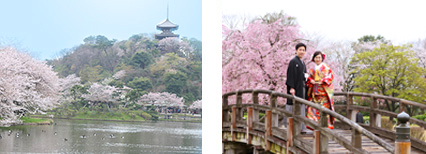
[(66, 85), (419, 48), (175, 45), (338, 57), (120, 74), (69, 94), (236, 21), (196, 105), (68, 82), (161, 99), (99, 93), (257, 57), (26, 85)]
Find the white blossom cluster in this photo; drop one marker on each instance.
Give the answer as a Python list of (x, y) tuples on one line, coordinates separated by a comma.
[(161, 99), (26, 84)]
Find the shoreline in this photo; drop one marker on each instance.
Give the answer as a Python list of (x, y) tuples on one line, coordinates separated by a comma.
[(168, 120), (50, 120)]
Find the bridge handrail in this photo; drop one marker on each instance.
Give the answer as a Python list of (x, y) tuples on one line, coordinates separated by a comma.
[(403, 101), (352, 124)]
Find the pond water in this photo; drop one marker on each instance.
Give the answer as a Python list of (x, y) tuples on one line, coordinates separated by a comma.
[(81, 136)]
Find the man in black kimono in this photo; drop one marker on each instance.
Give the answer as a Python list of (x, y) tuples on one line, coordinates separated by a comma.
[(359, 117), (296, 81)]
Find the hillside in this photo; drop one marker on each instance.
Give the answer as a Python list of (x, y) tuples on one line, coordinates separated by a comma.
[(170, 65)]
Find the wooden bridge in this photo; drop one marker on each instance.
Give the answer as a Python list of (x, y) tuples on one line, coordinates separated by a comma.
[(266, 134)]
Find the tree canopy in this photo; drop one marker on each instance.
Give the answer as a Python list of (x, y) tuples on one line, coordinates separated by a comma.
[(392, 71)]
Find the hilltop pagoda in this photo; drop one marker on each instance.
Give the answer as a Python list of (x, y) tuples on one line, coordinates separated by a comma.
[(166, 27)]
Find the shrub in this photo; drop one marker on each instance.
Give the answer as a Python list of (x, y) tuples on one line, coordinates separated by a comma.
[(418, 133), (146, 115), (387, 124), (420, 117)]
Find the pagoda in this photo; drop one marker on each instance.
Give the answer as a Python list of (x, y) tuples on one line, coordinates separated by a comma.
[(166, 27)]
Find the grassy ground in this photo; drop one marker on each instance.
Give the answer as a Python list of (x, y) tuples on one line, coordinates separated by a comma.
[(180, 117), (109, 116), (124, 116), (35, 120)]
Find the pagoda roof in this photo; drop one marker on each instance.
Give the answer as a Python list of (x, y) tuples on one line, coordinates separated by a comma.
[(167, 24)]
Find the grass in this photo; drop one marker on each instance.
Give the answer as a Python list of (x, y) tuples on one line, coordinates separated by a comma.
[(415, 131), (183, 115), (179, 120), (35, 120), (130, 116), (260, 115)]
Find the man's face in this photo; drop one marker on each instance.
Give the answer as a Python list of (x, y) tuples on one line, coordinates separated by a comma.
[(300, 52)]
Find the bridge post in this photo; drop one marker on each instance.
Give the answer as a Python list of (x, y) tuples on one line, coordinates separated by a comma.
[(239, 101), (402, 141), (249, 124), (289, 134), (349, 112), (273, 105), (225, 114), (356, 139), (233, 122), (317, 142), (297, 125), (375, 119), (401, 109), (323, 141), (255, 98), (268, 129)]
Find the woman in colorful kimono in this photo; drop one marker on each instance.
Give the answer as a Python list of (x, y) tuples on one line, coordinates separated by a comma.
[(320, 88)]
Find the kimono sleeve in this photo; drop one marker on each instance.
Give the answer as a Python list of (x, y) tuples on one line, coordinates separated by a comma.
[(328, 76), (311, 77), (291, 74)]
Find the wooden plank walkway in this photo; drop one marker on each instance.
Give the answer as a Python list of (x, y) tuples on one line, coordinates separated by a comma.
[(367, 144)]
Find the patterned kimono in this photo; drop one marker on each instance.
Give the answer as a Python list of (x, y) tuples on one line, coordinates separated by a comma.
[(320, 94)]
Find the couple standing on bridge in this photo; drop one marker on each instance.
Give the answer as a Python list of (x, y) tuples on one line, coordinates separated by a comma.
[(315, 85)]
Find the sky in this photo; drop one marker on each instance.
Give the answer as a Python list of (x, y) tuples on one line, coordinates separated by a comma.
[(398, 21), (44, 28)]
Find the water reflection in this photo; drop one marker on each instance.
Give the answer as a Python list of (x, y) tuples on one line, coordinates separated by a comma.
[(76, 136)]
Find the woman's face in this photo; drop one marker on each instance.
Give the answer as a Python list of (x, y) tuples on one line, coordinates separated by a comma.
[(318, 59)]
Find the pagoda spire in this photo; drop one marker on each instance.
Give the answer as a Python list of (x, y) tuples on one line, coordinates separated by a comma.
[(166, 27)]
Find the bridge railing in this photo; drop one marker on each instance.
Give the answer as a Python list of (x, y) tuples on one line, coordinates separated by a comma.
[(293, 138), (376, 113)]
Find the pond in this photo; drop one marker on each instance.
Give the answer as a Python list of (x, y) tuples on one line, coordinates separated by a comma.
[(81, 136)]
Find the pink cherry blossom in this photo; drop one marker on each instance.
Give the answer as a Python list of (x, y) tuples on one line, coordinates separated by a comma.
[(161, 99), (25, 84), (257, 57)]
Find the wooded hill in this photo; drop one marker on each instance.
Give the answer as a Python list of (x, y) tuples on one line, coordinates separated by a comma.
[(169, 65)]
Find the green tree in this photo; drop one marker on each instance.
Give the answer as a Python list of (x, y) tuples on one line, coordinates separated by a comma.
[(141, 59), (273, 17), (90, 40), (141, 83), (371, 38), (197, 48), (116, 83), (92, 74), (76, 92), (133, 95), (175, 82), (391, 71)]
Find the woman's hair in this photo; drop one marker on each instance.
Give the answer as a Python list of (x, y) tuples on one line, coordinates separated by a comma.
[(316, 54)]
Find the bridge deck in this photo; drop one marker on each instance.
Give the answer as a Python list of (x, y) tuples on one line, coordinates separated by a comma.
[(367, 144)]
